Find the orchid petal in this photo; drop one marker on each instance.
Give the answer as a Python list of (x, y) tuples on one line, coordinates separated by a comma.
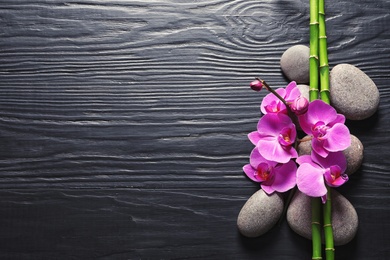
[(304, 159), (318, 148), (338, 138), (336, 158), (254, 137), (271, 150), (285, 177), (273, 124), (271, 100), (320, 111), (339, 119), (310, 180), (255, 159), (292, 91), (250, 172), (267, 189)]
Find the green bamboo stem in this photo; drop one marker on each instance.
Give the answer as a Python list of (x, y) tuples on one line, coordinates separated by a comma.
[(314, 44), (316, 228), (328, 229), (323, 54), (313, 95)]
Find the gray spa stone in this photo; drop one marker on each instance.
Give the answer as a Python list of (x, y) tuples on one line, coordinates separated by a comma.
[(353, 154), (352, 92), (260, 213), (344, 217), (295, 63), (304, 89)]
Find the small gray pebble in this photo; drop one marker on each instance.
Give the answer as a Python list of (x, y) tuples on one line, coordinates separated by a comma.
[(295, 63), (352, 92), (304, 89), (353, 154), (344, 217), (260, 213)]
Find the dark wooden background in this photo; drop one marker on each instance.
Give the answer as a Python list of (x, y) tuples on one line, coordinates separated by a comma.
[(123, 125)]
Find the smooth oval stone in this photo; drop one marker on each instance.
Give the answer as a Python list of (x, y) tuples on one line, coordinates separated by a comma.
[(352, 92), (304, 89), (353, 154), (295, 63), (344, 217), (260, 213)]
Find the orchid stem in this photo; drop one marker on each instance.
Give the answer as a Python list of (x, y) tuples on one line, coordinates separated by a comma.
[(328, 229), (268, 87), (314, 43), (316, 228), (323, 52)]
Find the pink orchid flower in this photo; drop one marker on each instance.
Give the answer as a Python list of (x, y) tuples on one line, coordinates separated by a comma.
[(299, 105), (256, 85), (327, 128), (272, 104), (274, 138), (273, 176), (315, 171)]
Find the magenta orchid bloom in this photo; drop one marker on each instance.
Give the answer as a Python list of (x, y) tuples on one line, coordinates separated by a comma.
[(327, 128), (256, 85), (314, 171), (273, 176), (272, 104), (274, 138), (299, 105)]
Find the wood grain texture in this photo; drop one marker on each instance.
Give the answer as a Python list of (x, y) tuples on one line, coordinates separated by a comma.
[(123, 125)]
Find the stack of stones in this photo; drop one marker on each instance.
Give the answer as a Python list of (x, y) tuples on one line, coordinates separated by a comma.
[(352, 94)]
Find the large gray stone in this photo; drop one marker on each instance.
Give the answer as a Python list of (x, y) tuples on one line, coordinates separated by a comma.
[(260, 213), (295, 63), (353, 154), (352, 92), (344, 217)]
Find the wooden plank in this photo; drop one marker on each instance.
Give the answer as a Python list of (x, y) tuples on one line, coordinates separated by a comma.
[(123, 125)]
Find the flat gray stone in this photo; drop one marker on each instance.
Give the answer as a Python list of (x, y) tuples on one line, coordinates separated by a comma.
[(353, 154), (260, 213), (344, 217), (295, 63), (352, 92)]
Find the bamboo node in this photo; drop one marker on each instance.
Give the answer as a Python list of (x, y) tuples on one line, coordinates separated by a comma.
[(313, 89), (315, 223), (314, 23), (322, 37), (324, 65), (317, 258), (330, 249), (327, 225), (325, 90), (313, 56)]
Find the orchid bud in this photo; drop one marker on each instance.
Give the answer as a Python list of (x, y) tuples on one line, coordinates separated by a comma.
[(299, 105), (256, 85)]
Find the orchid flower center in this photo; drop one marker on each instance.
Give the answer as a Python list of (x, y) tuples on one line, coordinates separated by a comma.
[(284, 137), (319, 130), (334, 176), (264, 172), (273, 107)]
